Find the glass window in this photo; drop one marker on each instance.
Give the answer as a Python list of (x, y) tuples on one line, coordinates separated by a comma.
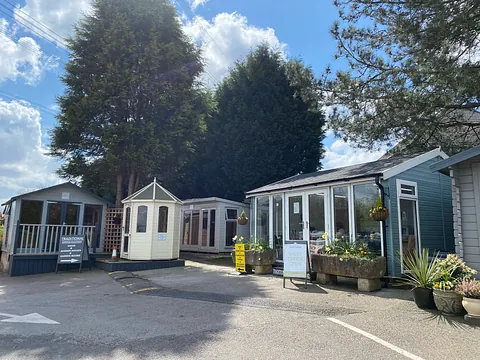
[(408, 189), (340, 208), (31, 212), (92, 214), (142, 219), (316, 213), (408, 216), (127, 220), (71, 214), (278, 225), (366, 229), (212, 228), (186, 228), (204, 227), (162, 219), (195, 227), (262, 222), (231, 214), (230, 233), (295, 217)]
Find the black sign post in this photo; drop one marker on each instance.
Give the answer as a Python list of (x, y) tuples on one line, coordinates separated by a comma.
[(73, 249)]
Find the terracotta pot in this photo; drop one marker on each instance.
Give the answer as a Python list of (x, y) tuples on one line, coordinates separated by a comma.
[(472, 306), (423, 298), (379, 215), (242, 221), (448, 302)]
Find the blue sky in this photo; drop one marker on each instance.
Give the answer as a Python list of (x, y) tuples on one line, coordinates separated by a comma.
[(30, 67)]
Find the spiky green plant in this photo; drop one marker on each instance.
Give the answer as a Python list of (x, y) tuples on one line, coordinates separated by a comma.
[(420, 271)]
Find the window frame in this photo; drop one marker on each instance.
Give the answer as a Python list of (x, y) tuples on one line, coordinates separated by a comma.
[(227, 220), (146, 219), (160, 208)]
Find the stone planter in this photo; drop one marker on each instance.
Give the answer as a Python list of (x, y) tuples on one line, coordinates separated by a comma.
[(368, 272), (423, 298), (448, 302), (260, 262), (472, 306)]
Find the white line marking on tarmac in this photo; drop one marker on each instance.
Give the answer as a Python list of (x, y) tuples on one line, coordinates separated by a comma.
[(377, 339)]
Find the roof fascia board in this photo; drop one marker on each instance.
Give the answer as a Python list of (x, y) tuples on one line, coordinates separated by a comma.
[(411, 163), (455, 159)]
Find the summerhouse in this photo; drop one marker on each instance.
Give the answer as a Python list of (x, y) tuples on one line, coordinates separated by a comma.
[(209, 224), (334, 204), (151, 224)]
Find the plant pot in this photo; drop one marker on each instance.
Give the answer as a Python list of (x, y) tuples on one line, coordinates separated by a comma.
[(472, 306), (448, 302), (379, 215), (423, 298), (242, 221)]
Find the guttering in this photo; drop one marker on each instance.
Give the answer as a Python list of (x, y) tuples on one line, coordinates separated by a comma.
[(384, 226)]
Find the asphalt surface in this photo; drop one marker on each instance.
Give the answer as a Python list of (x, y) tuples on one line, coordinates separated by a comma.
[(206, 312)]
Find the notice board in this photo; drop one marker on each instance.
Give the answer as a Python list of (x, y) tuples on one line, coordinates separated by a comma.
[(295, 260), (73, 249)]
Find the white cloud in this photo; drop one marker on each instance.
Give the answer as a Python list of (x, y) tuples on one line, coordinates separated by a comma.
[(196, 3), (341, 153), (24, 166), (21, 59), (57, 15), (226, 39)]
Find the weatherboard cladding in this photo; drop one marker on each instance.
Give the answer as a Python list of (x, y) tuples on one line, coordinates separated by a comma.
[(325, 176)]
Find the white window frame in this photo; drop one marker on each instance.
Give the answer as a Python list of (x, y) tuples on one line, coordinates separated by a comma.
[(349, 211), (400, 196), (230, 220)]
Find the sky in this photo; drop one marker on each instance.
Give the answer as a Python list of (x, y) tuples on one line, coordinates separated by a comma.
[(33, 56)]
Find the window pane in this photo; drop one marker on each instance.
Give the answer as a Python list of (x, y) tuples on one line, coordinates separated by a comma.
[(186, 228), (262, 219), (232, 214), (127, 221), (204, 227), (316, 213), (366, 229), (54, 213), (195, 226), (408, 216), (278, 226), (407, 189), (92, 214), (340, 205), (31, 212), (142, 219), (295, 217), (230, 233), (162, 219), (212, 228), (71, 216)]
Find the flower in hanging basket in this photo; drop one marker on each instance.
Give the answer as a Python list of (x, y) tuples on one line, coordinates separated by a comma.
[(379, 212), (242, 219)]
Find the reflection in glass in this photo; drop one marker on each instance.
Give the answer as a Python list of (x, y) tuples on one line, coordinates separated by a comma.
[(340, 208), (278, 225), (408, 215), (262, 218), (366, 229), (295, 218), (316, 213)]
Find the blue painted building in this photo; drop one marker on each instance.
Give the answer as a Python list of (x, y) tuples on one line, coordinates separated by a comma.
[(335, 203)]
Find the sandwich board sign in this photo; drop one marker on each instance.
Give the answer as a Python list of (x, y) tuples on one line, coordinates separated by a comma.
[(73, 249), (295, 260), (240, 264)]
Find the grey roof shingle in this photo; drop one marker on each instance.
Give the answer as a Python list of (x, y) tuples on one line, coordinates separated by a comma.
[(325, 176)]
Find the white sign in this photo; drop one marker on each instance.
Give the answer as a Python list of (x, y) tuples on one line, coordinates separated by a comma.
[(162, 236), (65, 196), (296, 207), (33, 318), (295, 259)]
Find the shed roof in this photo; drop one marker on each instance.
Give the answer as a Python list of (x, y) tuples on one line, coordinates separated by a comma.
[(153, 191), (443, 165), (213, 199), (385, 167), (65, 184)]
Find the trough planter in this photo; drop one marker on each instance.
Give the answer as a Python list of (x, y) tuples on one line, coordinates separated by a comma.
[(472, 306), (423, 298), (260, 262), (368, 272), (448, 302)]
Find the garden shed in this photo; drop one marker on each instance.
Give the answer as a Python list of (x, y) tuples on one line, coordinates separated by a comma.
[(151, 224), (334, 204), (35, 221), (209, 224), (464, 171)]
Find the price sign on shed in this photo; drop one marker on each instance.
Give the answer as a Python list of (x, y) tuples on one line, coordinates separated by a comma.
[(72, 250)]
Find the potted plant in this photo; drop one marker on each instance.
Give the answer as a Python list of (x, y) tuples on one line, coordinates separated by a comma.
[(450, 272), (242, 219), (259, 256), (420, 273), (470, 290), (379, 212)]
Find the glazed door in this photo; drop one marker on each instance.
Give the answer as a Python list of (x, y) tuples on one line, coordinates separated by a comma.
[(317, 219), (297, 226)]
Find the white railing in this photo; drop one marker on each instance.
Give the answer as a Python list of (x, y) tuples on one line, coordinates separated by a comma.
[(44, 239)]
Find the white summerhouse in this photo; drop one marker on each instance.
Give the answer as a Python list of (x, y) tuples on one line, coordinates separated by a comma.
[(151, 224), (209, 224)]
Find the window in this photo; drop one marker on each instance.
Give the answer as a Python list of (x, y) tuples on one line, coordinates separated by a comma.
[(142, 219), (231, 216), (408, 189), (162, 219), (212, 228), (31, 212), (408, 218), (92, 214), (262, 221), (186, 228), (204, 227), (366, 229), (340, 209), (278, 225), (195, 227), (127, 220)]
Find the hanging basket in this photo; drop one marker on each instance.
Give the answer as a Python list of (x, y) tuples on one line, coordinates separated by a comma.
[(379, 215), (242, 220)]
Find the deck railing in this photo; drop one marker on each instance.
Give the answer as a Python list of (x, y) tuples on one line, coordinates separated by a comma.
[(44, 239)]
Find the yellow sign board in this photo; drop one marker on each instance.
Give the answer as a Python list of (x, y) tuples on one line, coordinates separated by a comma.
[(240, 264)]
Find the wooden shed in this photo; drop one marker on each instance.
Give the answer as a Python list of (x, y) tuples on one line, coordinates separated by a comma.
[(209, 224), (151, 224)]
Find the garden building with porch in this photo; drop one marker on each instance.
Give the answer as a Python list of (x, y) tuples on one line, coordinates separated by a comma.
[(36, 220), (334, 204)]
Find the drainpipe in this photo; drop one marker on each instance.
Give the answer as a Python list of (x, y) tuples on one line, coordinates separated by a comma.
[(384, 225)]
